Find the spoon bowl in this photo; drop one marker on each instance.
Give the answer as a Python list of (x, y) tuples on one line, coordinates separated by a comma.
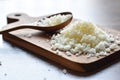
[(21, 21)]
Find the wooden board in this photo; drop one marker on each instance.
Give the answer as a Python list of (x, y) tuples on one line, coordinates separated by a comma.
[(39, 43)]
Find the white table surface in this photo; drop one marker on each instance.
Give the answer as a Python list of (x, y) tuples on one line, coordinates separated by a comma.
[(17, 64)]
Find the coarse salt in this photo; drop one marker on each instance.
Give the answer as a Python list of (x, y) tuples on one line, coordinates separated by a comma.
[(113, 46), (64, 71), (68, 53), (84, 38), (108, 50), (53, 20), (118, 42)]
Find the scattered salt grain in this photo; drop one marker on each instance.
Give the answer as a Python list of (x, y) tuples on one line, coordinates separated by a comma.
[(5, 74), (47, 40), (45, 79), (64, 71), (112, 40), (77, 54), (28, 35), (103, 53), (0, 63), (57, 51), (117, 37), (88, 55), (48, 69), (68, 53), (54, 48), (111, 35), (60, 53), (118, 42), (113, 46), (108, 50)]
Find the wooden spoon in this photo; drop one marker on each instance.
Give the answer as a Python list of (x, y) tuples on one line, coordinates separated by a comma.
[(21, 21)]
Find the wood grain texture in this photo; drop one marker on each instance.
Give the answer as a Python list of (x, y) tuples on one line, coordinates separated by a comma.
[(39, 44)]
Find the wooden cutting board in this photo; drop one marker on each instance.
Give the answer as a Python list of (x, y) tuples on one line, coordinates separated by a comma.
[(38, 42)]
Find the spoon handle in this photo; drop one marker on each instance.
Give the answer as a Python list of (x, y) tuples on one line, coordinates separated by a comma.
[(17, 26), (17, 21), (9, 28)]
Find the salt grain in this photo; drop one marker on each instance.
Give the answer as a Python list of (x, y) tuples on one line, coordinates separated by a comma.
[(5, 74), (28, 35), (118, 42), (112, 40), (88, 55), (64, 71), (113, 46), (47, 40), (48, 69), (0, 63), (104, 54), (54, 48), (77, 54), (45, 79), (68, 53), (108, 50), (117, 37), (57, 51)]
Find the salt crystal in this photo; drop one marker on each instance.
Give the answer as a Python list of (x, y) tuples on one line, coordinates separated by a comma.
[(48, 69), (117, 37), (101, 53), (118, 42), (64, 71), (108, 50), (0, 63), (54, 48), (47, 40), (45, 79), (57, 51), (113, 46), (112, 40), (104, 54), (68, 53), (88, 55), (77, 54), (5, 74), (28, 35)]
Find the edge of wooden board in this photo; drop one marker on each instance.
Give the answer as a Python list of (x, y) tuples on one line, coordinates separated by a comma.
[(65, 62)]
